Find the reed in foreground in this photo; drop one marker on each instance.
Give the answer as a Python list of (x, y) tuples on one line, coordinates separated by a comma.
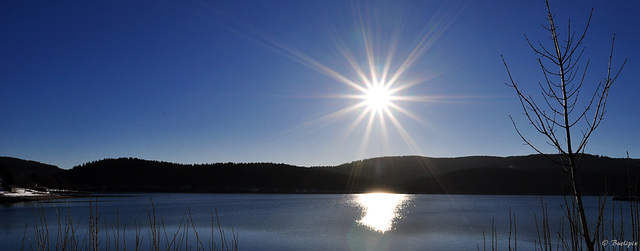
[(620, 229), (101, 235)]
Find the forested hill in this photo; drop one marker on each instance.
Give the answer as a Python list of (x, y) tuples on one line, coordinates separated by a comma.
[(27, 173), (532, 174), (129, 174)]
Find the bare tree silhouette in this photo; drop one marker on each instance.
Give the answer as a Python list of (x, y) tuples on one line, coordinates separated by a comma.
[(557, 118)]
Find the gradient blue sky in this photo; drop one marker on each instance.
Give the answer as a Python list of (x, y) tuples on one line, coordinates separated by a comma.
[(254, 81)]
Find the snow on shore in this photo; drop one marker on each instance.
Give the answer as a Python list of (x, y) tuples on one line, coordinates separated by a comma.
[(23, 192)]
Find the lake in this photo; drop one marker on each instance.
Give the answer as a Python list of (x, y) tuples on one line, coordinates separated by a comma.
[(295, 221)]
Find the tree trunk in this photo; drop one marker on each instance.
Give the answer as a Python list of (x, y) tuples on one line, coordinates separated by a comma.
[(578, 196)]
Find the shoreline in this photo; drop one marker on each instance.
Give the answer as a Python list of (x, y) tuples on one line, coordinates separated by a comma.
[(26, 195), (14, 199)]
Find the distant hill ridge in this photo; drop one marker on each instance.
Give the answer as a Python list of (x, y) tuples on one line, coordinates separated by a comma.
[(27, 173), (532, 174)]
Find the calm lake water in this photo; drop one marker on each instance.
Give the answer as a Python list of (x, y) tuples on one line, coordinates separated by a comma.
[(300, 221)]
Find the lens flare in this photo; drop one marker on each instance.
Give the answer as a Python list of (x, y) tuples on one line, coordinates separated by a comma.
[(379, 69)]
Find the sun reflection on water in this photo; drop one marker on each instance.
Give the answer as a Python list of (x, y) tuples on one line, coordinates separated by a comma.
[(380, 209)]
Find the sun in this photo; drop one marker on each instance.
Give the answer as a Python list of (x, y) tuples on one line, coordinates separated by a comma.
[(378, 98), (379, 67)]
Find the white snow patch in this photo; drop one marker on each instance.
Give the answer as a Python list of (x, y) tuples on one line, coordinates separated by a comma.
[(23, 192)]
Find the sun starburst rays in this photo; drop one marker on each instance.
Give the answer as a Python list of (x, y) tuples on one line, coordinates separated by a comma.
[(376, 75), (379, 87)]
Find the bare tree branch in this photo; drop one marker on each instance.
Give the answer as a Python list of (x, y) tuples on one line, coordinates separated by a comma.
[(561, 98)]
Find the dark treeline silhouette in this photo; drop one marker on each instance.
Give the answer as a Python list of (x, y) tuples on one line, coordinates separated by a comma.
[(130, 174), (26, 173), (533, 174)]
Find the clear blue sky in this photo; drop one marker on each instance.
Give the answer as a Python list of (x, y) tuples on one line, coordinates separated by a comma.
[(254, 81)]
